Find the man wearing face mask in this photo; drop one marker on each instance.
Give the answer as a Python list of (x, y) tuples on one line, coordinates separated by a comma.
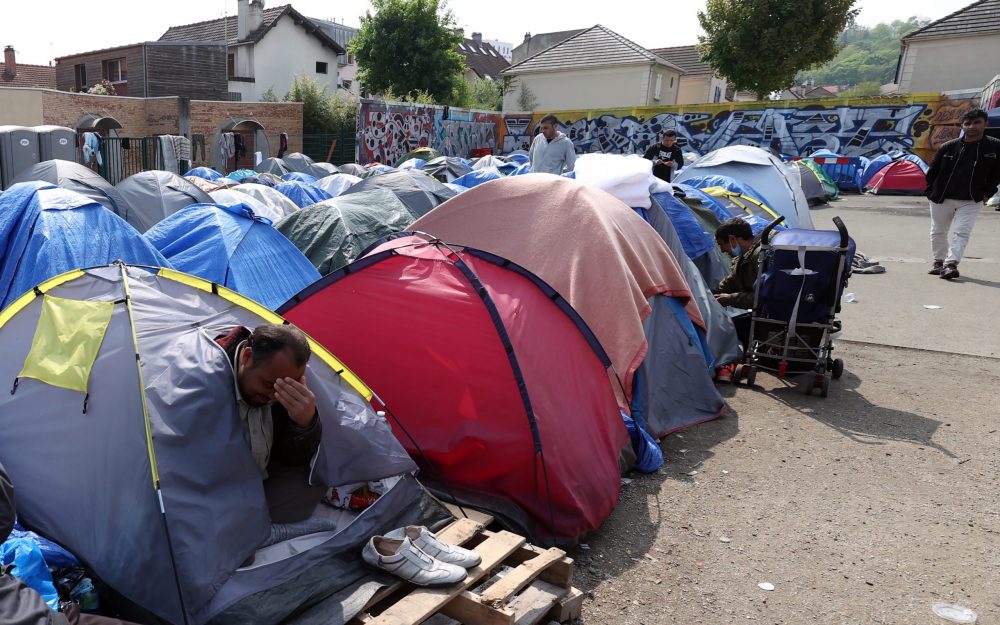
[(736, 238)]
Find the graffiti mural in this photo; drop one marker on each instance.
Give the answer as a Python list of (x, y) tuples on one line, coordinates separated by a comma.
[(387, 131), (918, 124)]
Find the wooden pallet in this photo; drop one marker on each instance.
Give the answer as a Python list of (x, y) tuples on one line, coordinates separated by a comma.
[(515, 584)]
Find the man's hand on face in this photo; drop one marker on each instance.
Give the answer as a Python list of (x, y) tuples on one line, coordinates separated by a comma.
[(297, 399)]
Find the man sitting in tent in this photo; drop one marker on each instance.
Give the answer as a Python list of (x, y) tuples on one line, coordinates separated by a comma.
[(280, 420), (735, 237)]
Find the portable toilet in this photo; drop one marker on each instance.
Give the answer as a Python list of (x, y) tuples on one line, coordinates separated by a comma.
[(18, 150), (56, 142)]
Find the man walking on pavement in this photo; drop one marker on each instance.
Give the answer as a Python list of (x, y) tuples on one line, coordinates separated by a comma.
[(964, 173)]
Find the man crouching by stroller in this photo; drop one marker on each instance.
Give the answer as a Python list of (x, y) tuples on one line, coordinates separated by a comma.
[(735, 238)]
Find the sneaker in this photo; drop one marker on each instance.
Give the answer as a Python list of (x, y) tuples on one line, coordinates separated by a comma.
[(428, 542), (406, 561), (724, 374), (949, 272), (937, 268)]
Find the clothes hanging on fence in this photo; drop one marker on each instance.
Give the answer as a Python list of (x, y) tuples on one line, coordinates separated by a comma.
[(240, 146), (198, 141), (168, 155), (126, 144), (282, 144), (226, 148), (182, 147), (92, 148)]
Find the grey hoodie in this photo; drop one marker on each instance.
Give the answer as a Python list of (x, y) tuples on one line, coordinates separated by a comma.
[(552, 157)]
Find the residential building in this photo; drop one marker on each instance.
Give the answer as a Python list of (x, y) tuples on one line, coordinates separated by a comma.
[(505, 48), (14, 74), (267, 49), (533, 44), (596, 68), (347, 65), (953, 52), (192, 69), (699, 84), (482, 59)]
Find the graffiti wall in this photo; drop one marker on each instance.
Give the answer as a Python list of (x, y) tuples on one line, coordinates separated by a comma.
[(387, 130), (919, 123)]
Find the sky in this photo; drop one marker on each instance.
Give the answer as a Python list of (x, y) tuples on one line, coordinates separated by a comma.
[(70, 26)]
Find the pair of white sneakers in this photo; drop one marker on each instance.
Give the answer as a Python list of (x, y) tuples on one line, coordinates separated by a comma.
[(413, 553)]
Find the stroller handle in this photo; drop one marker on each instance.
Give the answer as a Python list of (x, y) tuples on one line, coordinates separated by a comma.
[(765, 234), (844, 239)]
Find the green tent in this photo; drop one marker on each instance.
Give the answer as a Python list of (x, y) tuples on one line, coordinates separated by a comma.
[(424, 154), (334, 232), (829, 186)]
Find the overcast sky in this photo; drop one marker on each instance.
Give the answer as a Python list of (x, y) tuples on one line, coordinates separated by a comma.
[(44, 29)]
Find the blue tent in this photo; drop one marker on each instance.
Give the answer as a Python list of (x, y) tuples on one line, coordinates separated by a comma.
[(730, 184), (301, 193), (477, 177), (720, 209), (524, 168), (228, 246), (299, 176), (412, 163), (694, 239), (520, 159), (845, 171), (241, 174), (47, 230), (204, 172)]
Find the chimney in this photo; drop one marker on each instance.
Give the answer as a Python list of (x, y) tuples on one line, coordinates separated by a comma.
[(256, 15), (477, 38), (242, 18), (9, 62), (527, 37)]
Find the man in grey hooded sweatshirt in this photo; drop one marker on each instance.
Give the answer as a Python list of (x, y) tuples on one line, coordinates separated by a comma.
[(551, 152)]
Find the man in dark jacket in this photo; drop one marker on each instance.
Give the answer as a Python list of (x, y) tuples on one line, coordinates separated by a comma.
[(965, 173), (666, 156), (735, 238)]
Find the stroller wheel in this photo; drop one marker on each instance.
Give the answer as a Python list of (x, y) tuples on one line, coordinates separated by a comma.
[(837, 368), (824, 390), (750, 374)]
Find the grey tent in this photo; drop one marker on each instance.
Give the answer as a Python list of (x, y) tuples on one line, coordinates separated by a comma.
[(352, 168), (418, 191), (299, 162), (230, 197), (446, 168), (155, 195), (76, 177), (334, 232), (153, 486), (321, 170), (272, 166), (270, 196), (811, 185)]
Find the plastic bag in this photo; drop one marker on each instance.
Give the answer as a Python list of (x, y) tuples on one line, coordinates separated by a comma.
[(55, 556), (29, 567), (649, 456)]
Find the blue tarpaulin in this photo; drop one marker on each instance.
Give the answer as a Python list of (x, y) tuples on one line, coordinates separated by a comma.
[(477, 177), (730, 184), (695, 241), (299, 176), (204, 172), (227, 245), (46, 230), (302, 194)]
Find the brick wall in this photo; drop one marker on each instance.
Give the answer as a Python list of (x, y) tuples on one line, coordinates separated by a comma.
[(207, 117), (66, 109), (161, 116)]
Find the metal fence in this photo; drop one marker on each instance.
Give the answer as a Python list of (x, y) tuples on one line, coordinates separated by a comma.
[(318, 146), (124, 156)]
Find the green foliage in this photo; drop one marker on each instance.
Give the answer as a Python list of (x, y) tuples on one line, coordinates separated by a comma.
[(103, 88), (760, 46), (322, 112), (408, 46), (868, 54), (269, 96), (526, 100), (487, 94), (415, 97), (862, 90)]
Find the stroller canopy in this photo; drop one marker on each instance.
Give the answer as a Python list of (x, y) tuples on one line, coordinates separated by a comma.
[(48, 230), (418, 191), (82, 180), (155, 195), (498, 380), (227, 245)]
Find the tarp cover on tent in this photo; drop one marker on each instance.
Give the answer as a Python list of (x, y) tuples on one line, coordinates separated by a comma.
[(336, 185), (446, 168), (78, 178), (301, 193), (418, 191), (477, 177), (155, 195), (497, 379), (772, 179), (269, 196), (602, 257), (697, 243), (228, 246), (334, 232), (203, 172), (231, 197), (48, 230), (301, 177), (181, 428)]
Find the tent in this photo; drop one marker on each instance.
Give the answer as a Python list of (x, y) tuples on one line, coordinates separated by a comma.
[(829, 186), (501, 164), (425, 154), (812, 186), (697, 243), (334, 232), (725, 182), (418, 191), (611, 267), (352, 168), (519, 157), (898, 178), (205, 185), (203, 172), (876, 164), (48, 230), (375, 169), (300, 177), (231, 197), (771, 178), (272, 166), (335, 185), (498, 380), (477, 177), (845, 171), (297, 161), (322, 170), (268, 180), (279, 204), (167, 502), (241, 174), (738, 205), (154, 195), (446, 168), (301, 193), (78, 178), (413, 163), (228, 245)]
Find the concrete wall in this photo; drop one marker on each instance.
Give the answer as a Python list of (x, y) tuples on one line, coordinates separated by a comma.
[(700, 89), (286, 51), (20, 107), (949, 64), (605, 87), (669, 87)]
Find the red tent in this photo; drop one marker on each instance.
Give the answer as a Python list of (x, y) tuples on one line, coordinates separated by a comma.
[(500, 383), (898, 178)]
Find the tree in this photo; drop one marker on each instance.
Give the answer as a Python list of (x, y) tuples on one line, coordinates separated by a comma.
[(316, 113), (861, 90), (760, 46), (488, 94), (269, 96), (408, 46), (526, 100)]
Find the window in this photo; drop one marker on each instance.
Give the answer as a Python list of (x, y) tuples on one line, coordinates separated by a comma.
[(81, 76), (659, 87), (671, 82), (320, 67), (718, 95), (345, 84), (231, 65), (235, 96), (114, 70)]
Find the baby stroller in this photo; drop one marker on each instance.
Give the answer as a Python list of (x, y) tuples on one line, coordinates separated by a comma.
[(796, 300)]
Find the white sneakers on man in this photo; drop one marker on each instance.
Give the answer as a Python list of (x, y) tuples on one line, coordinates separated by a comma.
[(428, 542), (406, 561)]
